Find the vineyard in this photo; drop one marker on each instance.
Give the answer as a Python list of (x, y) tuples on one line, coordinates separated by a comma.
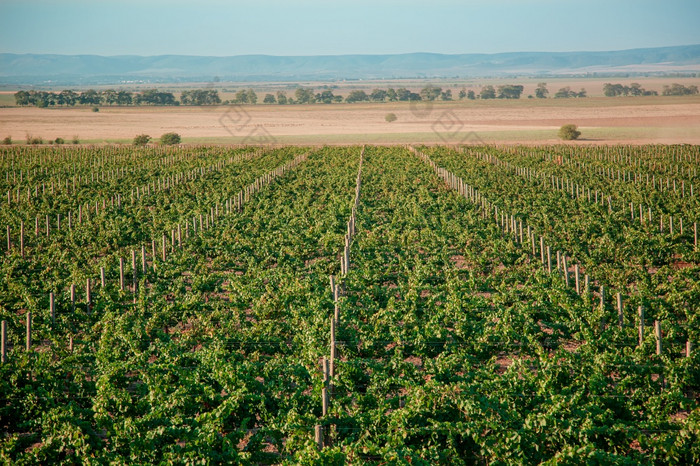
[(422, 305)]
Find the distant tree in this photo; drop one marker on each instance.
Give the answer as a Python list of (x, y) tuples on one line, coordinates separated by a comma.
[(141, 139), (582, 93), (67, 97), (75, 140), (325, 97), (567, 93), (679, 90), (109, 96), (391, 95), (510, 91), (390, 117), (378, 95), (471, 95), (569, 132), (462, 94), (446, 95), (430, 92), (281, 97), (488, 92), (154, 97), (200, 97), (269, 99), (22, 98), (90, 97), (357, 96), (636, 89), (403, 94), (125, 98), (252, 97), (613, 90), (241, 97), (59, 141), (304, 96), (170, 139), (541, 92), (7, 141)]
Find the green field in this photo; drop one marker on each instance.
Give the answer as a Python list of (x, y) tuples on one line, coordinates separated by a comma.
[(353, 304)]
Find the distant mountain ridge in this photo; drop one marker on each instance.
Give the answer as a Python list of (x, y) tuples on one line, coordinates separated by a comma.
[(95, 69)]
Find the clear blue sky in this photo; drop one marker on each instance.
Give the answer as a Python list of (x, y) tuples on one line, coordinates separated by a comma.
[(322, 27)]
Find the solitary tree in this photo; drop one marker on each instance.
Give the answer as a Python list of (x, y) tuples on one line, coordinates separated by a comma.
[(170, 139), (269, 99), (141, 139), (569, 132)]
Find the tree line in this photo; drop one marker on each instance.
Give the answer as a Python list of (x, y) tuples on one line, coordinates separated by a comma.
[(301, 95)]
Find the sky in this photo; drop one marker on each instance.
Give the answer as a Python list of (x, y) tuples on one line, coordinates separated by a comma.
[(337, 27)]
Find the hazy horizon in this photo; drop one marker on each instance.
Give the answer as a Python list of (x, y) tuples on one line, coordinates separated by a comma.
[(316, 28)]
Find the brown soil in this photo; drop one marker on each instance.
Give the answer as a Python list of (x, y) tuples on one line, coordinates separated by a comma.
[(656, 120)]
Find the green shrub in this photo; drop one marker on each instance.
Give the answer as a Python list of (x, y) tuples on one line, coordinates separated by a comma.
[(390, 117), (170, 139), (569, 132), (34, 139), (59, 141), (7, 141), (75, 140), (95, 109), (141, 139)]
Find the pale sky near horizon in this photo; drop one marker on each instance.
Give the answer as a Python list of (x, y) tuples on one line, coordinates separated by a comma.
[(334, 27)]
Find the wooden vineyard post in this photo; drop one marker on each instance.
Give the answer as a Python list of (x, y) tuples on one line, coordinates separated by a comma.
[(143, 260), (657, 334), (72, 297), (134, 271), (688, 345), (88, 295), (165, 240), (542, 251), (318, 436), (102, 277), (28, 342), (559, 266), (3, 342), (577, 277), (640, 311), (21, 239), (565, 264), (153, 253), (332, 361), (549, 259), (620, 310), (121, 274), (324, 401), (52, 308)]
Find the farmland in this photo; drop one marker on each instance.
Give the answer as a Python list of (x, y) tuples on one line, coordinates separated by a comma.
[(366, 304)]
